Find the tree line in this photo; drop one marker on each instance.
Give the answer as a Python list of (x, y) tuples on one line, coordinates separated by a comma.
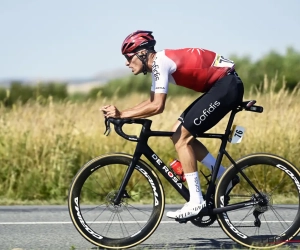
[(284, 68)]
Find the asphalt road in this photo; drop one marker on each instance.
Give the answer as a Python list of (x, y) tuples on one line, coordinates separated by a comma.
[(50, 227)]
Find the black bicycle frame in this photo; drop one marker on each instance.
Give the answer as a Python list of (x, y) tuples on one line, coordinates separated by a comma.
[(142, 148)]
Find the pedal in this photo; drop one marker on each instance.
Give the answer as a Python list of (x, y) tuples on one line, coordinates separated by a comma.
[(181, 221)]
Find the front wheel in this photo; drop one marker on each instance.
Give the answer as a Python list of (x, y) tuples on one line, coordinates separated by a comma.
[(93, 212), (275, 220)]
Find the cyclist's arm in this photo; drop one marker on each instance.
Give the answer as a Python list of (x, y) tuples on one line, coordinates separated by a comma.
[(161, 68), (155, 105), (142, 104)]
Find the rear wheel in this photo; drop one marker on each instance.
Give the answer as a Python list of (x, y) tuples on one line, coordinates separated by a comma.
[(275, 220), (112, 226)]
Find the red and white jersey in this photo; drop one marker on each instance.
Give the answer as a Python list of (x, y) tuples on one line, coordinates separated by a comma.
[(193, 68)]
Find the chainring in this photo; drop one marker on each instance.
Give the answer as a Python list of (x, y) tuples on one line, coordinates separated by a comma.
[(204, 221)]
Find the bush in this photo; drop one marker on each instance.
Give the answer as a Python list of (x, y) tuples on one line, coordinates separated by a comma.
[(21, 93), (285, 68)]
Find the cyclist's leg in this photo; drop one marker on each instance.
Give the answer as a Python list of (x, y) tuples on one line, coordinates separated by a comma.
[(182, 140), (223, 97), (208, 110), (199, 149), (202, 154)]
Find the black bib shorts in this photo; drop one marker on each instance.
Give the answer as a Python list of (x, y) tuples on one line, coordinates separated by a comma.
[(207, 110)]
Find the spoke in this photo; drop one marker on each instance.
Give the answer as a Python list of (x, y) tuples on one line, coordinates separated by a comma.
[(120, 220), (109, 224), (97, 182), (109, 175), (134, 218), (279, 181), (247, 215), (276, 187), (92, 191), (141, 195), (267, 223), (278, 216), (97, 217), (140, 210), (93, 208)]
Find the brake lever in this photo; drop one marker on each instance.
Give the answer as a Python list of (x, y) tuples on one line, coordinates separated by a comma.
[(107, 127)]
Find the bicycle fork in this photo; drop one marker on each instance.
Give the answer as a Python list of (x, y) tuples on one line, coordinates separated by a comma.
[(126, 178)]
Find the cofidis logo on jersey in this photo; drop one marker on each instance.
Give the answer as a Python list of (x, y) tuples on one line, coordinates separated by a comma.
[(206, 113), (155, 71)]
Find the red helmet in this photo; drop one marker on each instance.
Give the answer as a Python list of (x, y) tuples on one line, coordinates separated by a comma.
[(140, 39)]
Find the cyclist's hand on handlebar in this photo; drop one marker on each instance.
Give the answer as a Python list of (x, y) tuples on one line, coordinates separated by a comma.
[(110, 111)]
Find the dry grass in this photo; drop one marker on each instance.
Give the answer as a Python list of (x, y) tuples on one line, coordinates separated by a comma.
[(42, 147)]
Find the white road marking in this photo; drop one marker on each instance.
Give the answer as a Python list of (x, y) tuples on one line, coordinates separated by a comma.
[(113, 222)]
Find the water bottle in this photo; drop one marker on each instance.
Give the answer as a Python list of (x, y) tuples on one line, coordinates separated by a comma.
[(177, 169)]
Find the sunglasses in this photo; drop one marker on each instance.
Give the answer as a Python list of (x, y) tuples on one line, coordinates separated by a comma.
[(129, 56)]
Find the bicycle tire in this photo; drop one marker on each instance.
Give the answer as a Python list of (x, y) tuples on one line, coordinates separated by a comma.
[(86, 189), (288, 186)]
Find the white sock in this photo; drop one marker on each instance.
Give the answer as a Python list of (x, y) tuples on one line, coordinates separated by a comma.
[(209, 161), (194, 187)]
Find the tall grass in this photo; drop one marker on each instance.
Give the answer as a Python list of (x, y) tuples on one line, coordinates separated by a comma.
[(43, 146)]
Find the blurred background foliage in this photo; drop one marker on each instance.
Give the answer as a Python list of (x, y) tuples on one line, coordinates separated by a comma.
[(283, 67)]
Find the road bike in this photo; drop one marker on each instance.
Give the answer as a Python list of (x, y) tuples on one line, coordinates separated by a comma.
[(117, 200)]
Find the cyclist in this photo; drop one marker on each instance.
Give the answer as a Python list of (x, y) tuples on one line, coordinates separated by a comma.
[(195, 68)]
